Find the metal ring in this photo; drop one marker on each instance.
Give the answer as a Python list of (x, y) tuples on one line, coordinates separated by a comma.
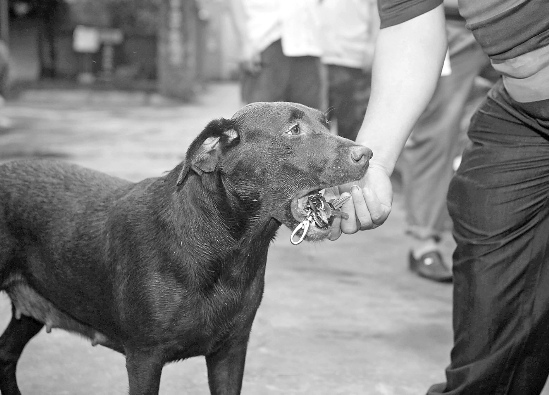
[(302, 225)]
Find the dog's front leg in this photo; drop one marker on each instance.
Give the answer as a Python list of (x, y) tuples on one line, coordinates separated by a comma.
[(144, 371), (226, 368)]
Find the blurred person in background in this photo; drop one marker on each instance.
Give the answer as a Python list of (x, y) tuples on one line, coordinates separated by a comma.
[(349, 28), (5, 123), (280, 51), (427, 162)]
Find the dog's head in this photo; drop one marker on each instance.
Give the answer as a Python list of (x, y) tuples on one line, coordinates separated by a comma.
[(270, 156)]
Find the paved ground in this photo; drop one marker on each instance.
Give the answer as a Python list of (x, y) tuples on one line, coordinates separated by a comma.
[(337, 318)]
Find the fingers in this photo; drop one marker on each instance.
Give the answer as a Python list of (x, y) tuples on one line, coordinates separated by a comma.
[(378, 212), (370, 203), (365, 211), (250, 66), (349, 225), (362, 209), (359, 212)]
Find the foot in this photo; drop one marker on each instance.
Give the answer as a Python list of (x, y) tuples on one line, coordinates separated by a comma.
[(430, 265)]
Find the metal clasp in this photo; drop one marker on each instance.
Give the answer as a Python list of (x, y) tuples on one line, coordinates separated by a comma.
[(303, 225)]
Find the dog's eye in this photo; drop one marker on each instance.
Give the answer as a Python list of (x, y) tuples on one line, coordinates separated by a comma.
[(294, 130)]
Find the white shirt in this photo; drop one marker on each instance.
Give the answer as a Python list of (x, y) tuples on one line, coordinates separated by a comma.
[(295, 22), (348, 31)]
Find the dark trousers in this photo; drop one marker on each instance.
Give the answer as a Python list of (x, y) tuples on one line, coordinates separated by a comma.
[(348, 95), (498, 201), (283, 78)]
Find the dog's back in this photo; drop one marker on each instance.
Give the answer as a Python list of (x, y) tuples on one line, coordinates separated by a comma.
[(43, 193), (47, 200)]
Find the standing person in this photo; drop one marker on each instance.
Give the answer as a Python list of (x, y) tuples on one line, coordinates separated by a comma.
[(280, 50), (498, 199), (427, 162), (349, 28)]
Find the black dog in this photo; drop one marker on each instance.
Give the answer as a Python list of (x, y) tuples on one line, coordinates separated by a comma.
[(168, 268)]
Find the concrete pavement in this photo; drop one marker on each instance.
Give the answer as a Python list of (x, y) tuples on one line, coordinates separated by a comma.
[(341, 317)]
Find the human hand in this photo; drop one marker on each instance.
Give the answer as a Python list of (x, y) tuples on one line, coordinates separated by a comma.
[(370, 203), (250, 60)]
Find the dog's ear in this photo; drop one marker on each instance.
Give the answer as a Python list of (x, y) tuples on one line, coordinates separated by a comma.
[(204, 152)]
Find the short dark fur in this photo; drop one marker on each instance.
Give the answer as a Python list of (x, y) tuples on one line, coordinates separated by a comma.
[(167, 268)]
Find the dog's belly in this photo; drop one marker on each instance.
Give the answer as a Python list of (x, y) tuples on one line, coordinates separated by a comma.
[(29, 302)]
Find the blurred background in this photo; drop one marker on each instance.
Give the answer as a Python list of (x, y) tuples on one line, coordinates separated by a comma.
[(169, 46)]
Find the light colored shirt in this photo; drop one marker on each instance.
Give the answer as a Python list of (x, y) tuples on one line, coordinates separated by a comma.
[(295, 22), (348, 29)]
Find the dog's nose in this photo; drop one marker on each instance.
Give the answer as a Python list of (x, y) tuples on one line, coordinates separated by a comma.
[(360, 154)]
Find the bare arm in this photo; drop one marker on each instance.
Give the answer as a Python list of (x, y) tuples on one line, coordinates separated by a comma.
[(407, 64), (406, 69)]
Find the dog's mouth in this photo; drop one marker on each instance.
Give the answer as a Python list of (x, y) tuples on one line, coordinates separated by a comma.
[(299, 202), (312, 213)]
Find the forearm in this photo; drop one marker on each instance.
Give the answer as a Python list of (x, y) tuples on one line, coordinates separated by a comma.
[(407, 65)]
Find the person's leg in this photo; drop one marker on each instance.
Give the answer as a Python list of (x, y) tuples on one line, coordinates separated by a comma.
[(270, 83), (427, 163), (306, 84), (499, 203), (348, 95)]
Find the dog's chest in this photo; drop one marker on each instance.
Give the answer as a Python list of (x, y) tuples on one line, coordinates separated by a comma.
[(215, 318)]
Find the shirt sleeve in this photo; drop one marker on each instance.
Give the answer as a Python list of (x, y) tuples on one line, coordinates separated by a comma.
[(393, 12)]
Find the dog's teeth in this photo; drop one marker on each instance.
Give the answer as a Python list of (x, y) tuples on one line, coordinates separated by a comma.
[(48, 327), (322, 191), (17, 314)]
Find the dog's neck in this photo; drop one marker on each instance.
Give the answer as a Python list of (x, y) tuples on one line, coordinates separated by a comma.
[(217, 229)]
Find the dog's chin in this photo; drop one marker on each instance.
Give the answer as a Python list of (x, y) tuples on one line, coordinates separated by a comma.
[(317, 234)]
